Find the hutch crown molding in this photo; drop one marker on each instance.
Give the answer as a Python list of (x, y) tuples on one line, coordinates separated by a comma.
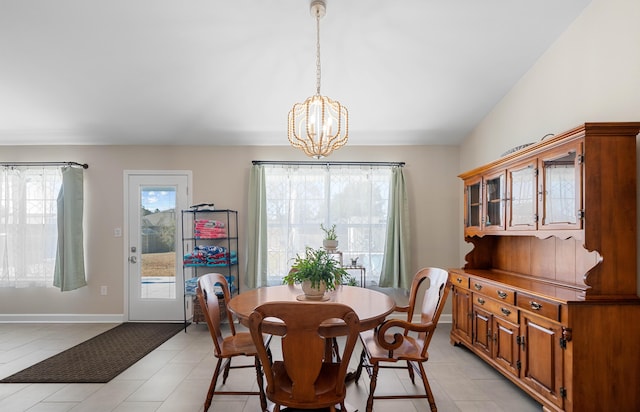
[(548, 295)]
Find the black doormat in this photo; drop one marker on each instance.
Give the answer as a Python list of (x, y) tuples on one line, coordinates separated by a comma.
[(101, 358)]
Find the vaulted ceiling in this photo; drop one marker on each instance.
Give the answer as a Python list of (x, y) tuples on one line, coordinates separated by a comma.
[(228, 71)]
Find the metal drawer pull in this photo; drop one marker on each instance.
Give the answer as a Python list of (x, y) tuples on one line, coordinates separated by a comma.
[(535, 305), (477, 286), (459, 280), (503, 295), (481, 301), (506, 311)]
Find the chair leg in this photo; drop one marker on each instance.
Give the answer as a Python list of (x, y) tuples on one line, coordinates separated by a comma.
[(227, 367), (427, 387), (411, 374), (212, 386), (332, 350), (360, 364), (263, 398), (372, 387), (336, 349)]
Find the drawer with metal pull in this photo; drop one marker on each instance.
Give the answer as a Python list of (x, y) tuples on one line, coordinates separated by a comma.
[(459, 280), (499, 309), (543, 307), (499, 293)]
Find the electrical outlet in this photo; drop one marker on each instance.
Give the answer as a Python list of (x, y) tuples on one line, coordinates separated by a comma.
[(117, 232), (103, 290)]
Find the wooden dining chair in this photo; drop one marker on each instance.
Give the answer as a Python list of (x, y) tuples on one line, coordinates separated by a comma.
[(391, 342), (305, 378), (225, 348)]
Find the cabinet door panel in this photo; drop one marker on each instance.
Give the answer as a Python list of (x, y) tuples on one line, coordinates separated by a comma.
[(505, 346), (461, 313), (482, 336), (494, 201), (473, 206), (542, 357), (561, 188), (522, 200)]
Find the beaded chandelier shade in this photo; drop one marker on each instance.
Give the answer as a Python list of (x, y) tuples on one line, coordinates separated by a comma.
[(319, 125)]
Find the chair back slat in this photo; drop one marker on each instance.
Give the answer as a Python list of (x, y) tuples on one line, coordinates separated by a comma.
[(434, 300), (206, 294), (304, 347)]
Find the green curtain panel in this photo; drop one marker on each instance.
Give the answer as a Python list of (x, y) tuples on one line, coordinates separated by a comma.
[(256, 270), (69, 271), (396, 261)]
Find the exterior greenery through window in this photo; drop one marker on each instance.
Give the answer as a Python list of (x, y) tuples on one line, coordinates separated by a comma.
[(299, 198)]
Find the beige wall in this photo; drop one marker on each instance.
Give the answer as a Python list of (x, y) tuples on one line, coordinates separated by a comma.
[(220, 175), (590, 74)]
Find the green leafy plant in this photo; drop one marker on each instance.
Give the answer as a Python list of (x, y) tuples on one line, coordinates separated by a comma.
[(350, 281), (330, 234), (316, 265)]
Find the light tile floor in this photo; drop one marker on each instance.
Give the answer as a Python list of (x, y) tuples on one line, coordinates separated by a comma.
[(175, 377)]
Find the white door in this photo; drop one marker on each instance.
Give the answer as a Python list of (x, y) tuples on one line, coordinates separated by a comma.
[(154, 202)]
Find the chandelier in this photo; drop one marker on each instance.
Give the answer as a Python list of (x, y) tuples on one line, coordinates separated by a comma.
[(320, 125)]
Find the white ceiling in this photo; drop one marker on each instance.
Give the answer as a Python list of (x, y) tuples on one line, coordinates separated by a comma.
[(228, 71)]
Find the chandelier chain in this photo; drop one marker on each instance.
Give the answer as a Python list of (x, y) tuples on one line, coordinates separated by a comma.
[(319, 125), (318, 52)]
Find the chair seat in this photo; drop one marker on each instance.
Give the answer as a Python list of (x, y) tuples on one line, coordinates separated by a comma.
[(410, 349), (325, 387), (238, 344)]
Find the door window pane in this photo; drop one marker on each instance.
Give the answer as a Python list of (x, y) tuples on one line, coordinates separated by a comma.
[(158, 240)]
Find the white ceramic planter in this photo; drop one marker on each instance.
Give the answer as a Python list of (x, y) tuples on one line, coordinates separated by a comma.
[(330, 244), (313, 293)]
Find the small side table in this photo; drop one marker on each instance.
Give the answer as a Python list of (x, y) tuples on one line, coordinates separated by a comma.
[(363, 273), (335, 254)]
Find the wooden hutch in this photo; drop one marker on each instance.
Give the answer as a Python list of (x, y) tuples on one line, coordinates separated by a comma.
[(548, 294)]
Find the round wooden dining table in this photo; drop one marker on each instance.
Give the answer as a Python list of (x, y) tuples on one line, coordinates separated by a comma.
[(372, 307)]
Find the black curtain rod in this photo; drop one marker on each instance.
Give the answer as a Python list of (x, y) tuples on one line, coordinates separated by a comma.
[(10, 164), (321, 163)]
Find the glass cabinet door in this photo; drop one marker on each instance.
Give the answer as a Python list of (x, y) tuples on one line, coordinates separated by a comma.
[(522, 197), (560, 186), (494, 197), (473, 206)]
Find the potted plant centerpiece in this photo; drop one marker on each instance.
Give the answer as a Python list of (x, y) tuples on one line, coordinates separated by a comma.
[(330, 241), (317, 271)]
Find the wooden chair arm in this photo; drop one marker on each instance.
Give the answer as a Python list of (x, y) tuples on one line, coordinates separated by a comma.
[(398, 338)]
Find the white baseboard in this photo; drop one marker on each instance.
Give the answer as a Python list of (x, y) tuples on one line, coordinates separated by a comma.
[(446, 318), (61, 318), (115, 318)]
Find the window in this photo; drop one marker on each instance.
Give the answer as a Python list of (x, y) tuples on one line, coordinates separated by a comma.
[(300, 198), (28, 225)]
